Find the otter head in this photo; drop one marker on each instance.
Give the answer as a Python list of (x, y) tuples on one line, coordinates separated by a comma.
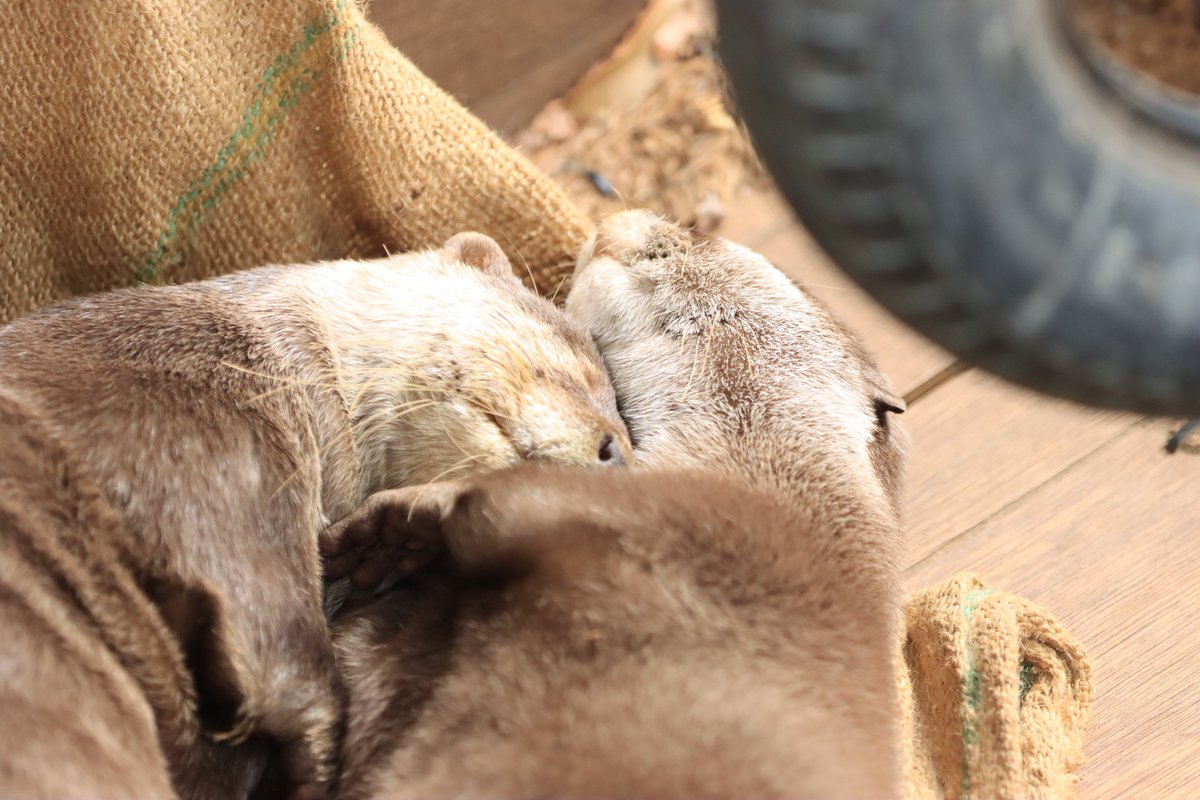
[(477, 374), (720, 360)]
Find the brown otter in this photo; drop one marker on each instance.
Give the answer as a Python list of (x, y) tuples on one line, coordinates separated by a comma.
[(720, 632), (220, 426)]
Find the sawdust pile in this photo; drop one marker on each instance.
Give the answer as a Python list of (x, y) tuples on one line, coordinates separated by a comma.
[(653, 127)]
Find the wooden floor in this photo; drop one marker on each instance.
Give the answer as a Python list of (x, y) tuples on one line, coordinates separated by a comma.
[(1079, 510)]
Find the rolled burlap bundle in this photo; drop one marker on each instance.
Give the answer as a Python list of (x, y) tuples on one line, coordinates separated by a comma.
[(147, 140), (995, 695)]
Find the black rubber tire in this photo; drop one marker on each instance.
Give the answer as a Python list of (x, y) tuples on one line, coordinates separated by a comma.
[(1001, 193)]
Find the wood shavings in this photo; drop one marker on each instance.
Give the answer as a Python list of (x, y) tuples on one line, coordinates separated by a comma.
[(680, 150)]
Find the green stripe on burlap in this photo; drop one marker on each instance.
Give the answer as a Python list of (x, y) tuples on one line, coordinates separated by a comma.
[(971, 689), (322, 44)]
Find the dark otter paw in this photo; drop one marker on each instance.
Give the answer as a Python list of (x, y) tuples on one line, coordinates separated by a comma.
[(394, 531)]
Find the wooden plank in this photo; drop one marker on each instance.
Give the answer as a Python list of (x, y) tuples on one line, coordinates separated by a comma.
[(1111, 547), (505, 60), (754, 215), (980, 444), (904, 356)]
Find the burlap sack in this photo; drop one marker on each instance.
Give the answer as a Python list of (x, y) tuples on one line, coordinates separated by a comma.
[(995, 695), (150, 140)]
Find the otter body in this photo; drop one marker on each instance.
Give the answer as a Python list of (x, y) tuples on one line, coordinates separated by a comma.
[(717, 622), (225, 423)]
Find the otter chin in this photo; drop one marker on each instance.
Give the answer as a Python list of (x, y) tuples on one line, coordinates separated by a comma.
[(718, 621)]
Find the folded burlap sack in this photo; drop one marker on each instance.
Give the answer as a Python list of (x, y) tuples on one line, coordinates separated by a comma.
[(995, 695), (148, 140)]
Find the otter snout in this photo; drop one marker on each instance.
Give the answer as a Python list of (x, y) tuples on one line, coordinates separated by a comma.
[(609, 448), (630, 236), (610, 452)]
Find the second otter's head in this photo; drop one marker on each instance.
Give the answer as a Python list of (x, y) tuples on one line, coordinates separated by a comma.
[(720, 360)]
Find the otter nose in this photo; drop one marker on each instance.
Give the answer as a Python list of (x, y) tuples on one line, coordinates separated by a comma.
[(610, 454), (623, 234)]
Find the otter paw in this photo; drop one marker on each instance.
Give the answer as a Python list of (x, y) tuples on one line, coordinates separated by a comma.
[(394, 531)]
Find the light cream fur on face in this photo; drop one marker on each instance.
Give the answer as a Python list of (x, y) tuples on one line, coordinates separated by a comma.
[(715, 353), (504, 382)]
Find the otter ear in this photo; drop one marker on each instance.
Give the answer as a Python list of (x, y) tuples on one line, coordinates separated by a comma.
[(884, 399), (479, 251), (886, 402)]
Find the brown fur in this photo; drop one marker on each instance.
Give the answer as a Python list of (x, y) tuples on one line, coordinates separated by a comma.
[(96, 693), (213, 430), (724, 631)]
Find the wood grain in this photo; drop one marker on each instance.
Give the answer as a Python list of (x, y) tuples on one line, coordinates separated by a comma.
[(980, 444), (1077, 509), (504, 60), (1111, 546), (754, 215)]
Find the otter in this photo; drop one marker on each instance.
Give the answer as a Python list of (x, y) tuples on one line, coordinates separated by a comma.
[(171, 456), (717, 622)]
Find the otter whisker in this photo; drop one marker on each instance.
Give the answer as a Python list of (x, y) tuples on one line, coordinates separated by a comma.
[(290, 380), (492, 412), (687, 390), (322, 451), (524, 262), (707, 351), (449, 436), (263, 395), (359, 395), (390, 413), (558, 288), (806, 285), (662, 315), (256, 373), (445, 474), (287, 384), (441, 476)]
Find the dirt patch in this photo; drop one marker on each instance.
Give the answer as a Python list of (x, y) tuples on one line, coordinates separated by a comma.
[(654, 127), (1160, 38)]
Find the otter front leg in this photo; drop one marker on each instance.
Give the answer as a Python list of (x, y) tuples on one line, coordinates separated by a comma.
[(293, 695), (393, 532)]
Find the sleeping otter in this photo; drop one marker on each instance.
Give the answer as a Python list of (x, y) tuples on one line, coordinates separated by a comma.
[(172, 454), (717, 623)]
